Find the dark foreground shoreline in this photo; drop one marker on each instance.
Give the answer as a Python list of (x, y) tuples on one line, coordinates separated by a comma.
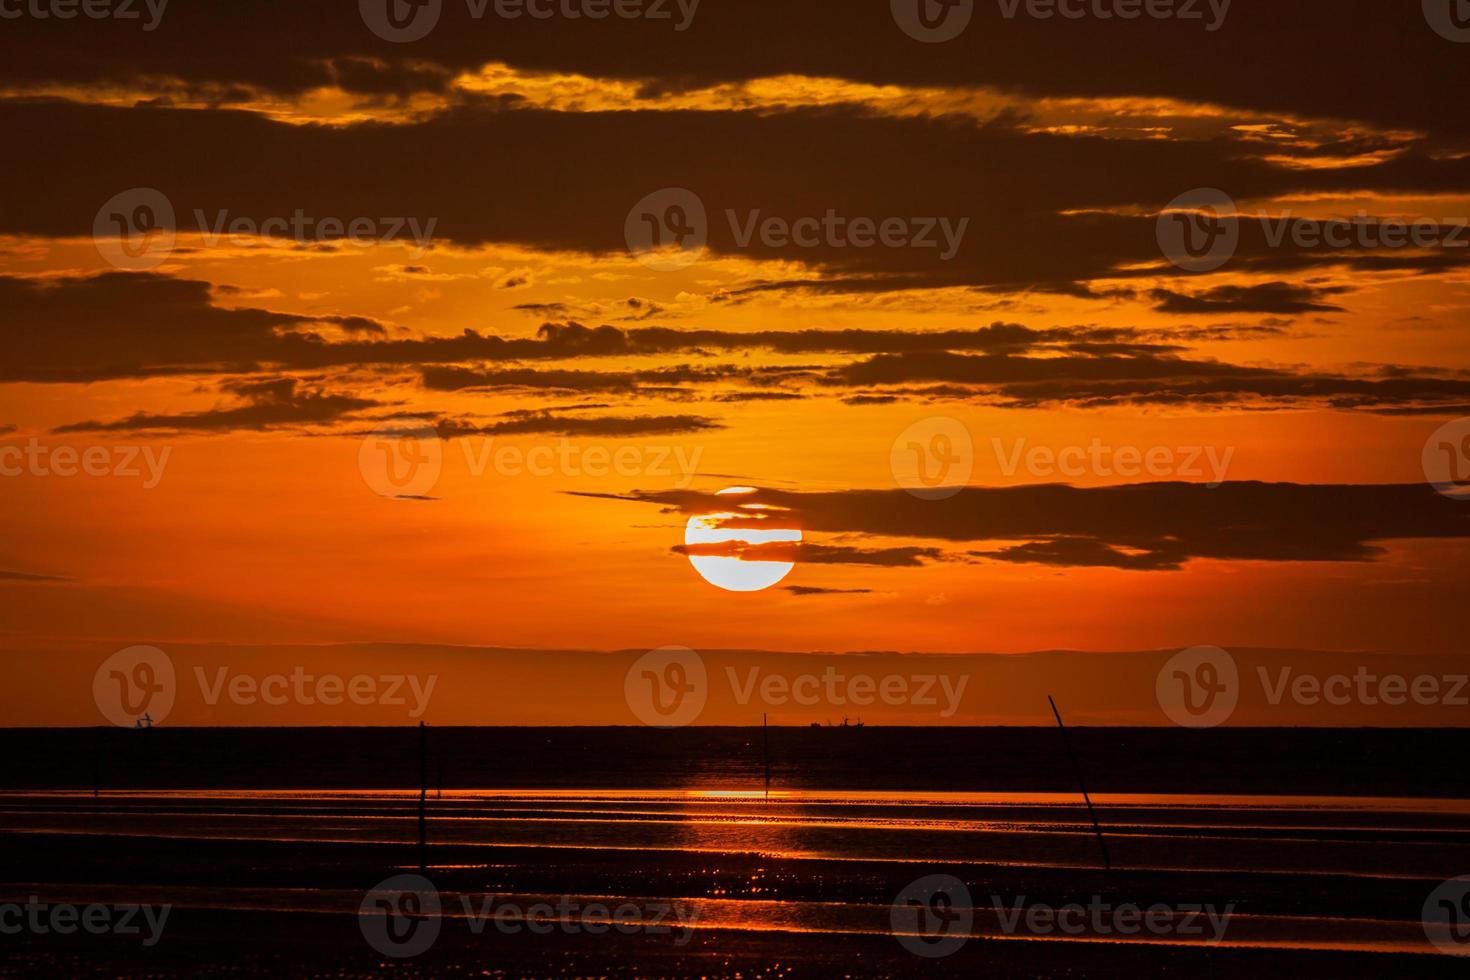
[(265, 857), (1318, 761), (279, 893), (327, 945)]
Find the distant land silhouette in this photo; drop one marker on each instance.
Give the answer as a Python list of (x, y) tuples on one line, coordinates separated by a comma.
[(1387, 762)]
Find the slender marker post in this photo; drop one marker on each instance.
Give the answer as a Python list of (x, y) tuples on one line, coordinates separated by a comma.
[(423, 797), (1081, 782), (766, 751)]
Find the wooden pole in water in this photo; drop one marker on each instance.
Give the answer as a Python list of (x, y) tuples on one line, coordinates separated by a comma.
[(766, 751), (423, 797), (1081, 782)]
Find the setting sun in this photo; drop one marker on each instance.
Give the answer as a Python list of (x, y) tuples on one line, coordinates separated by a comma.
[(731, 557)]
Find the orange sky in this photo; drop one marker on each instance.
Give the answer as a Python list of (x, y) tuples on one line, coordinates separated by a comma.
[(264, 368)]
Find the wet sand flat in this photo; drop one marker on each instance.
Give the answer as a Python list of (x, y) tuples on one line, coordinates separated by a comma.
[(1333, 886)]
